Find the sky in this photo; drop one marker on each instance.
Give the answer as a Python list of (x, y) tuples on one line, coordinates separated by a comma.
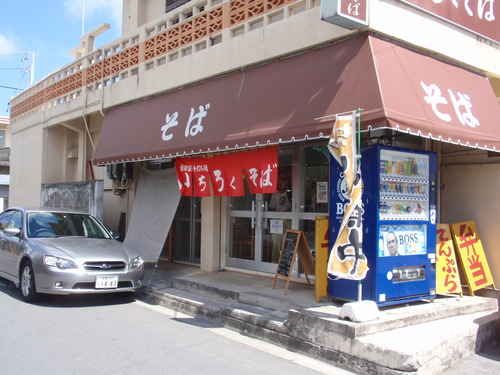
[(47, 30)]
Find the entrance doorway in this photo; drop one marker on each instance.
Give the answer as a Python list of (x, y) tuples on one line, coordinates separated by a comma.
[(184, 239), (257, 222)]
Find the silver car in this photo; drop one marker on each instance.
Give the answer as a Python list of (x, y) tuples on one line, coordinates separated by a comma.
[(46, 251)]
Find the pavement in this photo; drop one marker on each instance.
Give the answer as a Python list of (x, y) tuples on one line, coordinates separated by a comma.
[(446, 335)]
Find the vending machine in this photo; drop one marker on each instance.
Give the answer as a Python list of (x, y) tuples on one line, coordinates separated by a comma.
[(399, 225)]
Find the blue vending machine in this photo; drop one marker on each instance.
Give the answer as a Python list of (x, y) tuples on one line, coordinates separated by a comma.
[(399, 225)]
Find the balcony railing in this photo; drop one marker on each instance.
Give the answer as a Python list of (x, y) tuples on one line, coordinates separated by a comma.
[(179, 33)]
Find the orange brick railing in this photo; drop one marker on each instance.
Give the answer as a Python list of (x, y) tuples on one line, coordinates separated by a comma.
[(105, 66)]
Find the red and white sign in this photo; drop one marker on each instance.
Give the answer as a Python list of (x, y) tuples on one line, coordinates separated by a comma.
[(223, 175), (351, 14)]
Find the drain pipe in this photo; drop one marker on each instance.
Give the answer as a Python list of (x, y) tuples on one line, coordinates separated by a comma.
[(101, 109)]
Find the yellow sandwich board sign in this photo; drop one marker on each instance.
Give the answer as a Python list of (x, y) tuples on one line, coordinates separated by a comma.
[(447, 276), (472, 257), (321, 286)]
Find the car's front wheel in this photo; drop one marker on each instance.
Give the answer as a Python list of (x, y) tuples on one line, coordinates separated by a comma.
[(27, 283)]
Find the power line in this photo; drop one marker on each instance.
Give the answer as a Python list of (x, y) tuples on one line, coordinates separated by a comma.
[(8, 87), (23, 69), (13, 54)]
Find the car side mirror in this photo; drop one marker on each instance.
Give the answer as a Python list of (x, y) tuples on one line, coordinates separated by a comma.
[(115, 235), (12, 231)]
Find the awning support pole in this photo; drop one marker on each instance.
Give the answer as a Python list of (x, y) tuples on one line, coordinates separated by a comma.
[(358, 152)]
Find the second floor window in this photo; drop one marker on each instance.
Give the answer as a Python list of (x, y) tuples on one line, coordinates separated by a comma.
[(172, 4)]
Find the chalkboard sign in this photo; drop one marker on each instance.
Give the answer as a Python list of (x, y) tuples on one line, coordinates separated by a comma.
[(294, 243), (287, 256)]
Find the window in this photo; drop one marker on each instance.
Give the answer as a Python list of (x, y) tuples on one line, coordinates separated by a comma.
[(55, 224), (172, 4), (11, 219), (16, 221), (5, 219), (2, 138), (316, 171)]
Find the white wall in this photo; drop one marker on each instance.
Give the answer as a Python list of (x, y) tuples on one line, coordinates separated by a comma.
[(471, 192), (413, 26), (26, 167)]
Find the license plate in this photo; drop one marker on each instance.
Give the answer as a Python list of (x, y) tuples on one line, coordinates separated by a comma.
[(106, 282)]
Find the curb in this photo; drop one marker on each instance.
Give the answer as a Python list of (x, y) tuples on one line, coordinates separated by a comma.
[(260, 327), (383, 347)]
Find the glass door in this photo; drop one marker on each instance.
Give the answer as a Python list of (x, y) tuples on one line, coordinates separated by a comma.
[(257, 222), (314, 182)]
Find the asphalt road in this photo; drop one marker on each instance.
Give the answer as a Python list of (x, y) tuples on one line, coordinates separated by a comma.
[(106, 334), (485, 363)]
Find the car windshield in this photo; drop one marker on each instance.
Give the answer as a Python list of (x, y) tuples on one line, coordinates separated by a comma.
[(57, 224)]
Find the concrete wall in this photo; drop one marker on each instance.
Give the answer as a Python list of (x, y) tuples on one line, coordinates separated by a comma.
[(54, 155), (84, 195), (26, 167), (210, 227), (138, 12), (470, 192)]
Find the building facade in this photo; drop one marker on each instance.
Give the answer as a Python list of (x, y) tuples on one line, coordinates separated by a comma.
[(210, 79), (4, 162)]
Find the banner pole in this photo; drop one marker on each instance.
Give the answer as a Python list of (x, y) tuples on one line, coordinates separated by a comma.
[(358, 152)]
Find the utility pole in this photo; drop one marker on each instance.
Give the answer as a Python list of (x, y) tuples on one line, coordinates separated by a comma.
[(83, 17), (32, 68)]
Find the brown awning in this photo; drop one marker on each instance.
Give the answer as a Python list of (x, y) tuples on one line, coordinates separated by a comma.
[(280, 101)]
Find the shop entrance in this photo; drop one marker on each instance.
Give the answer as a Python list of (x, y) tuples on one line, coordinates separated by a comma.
[(184, 239), (258, 222)]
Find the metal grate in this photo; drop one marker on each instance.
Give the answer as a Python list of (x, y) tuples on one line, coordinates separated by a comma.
[(104, 266)]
